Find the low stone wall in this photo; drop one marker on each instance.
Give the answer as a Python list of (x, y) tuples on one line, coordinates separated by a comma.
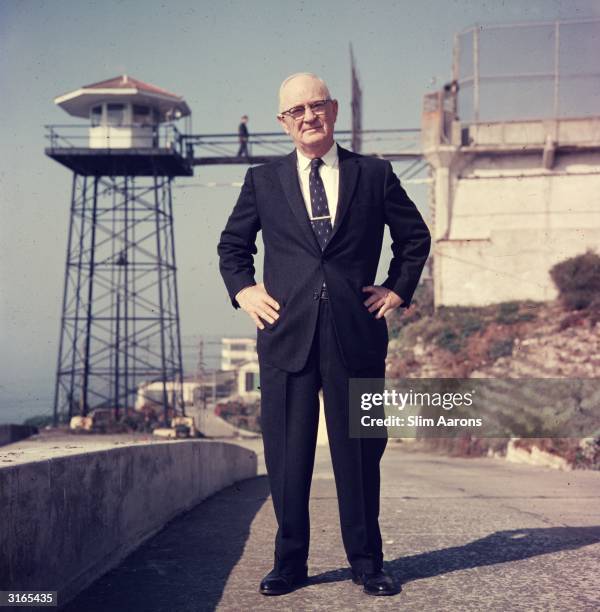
[(13, 433), (68, 520)]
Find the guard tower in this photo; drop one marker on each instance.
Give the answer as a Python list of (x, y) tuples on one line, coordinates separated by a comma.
[(120, 312)]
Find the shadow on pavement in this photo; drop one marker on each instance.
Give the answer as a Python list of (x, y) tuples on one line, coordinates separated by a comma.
[(499, 547), (186, 565)]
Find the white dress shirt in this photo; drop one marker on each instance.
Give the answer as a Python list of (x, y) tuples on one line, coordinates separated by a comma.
[(329, 171)]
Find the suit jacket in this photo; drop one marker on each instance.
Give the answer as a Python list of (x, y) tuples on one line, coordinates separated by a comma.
[(370, 196)]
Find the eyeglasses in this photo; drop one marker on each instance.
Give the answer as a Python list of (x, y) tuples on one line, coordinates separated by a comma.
[(297, 112)]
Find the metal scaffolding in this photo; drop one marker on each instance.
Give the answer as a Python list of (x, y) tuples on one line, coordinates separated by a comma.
[(120, 313)]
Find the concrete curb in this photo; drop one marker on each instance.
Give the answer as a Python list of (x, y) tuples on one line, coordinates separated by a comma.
[(68, 520)]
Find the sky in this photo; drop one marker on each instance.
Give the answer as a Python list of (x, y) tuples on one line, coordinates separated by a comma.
[(226, 58)]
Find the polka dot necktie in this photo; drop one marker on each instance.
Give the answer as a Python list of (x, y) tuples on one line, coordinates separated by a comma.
[(321, 219)]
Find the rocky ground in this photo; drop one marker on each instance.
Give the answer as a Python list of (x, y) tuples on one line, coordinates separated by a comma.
[(538, 341), (523, 340)]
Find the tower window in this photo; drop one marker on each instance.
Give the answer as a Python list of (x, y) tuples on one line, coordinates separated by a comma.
[(141, 115), (115, 114), (96, 116)]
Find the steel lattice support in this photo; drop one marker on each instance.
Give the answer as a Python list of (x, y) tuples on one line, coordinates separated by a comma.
[(120, 314)]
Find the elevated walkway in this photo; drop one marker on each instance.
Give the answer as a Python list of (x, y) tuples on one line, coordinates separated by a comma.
[(176, 154)]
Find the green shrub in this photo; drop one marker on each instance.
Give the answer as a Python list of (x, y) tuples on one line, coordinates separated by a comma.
[(501, 348), (578, 281), (470, 325), (448, 339), (508, 312), (526, 316)]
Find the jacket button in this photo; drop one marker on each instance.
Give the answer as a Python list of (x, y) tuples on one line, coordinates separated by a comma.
[(316, 294)]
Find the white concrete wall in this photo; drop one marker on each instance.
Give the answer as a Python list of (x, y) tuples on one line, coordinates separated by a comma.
[(67, 520), (187, 388), (511, 220), (576, 131)]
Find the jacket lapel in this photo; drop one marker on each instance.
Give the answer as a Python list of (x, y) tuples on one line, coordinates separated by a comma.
[(288, 175), (349, 173)]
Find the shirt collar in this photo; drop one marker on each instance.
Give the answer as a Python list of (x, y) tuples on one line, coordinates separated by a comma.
[(329, 159)]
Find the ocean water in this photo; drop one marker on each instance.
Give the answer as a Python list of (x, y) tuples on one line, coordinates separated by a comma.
[(33, 393)]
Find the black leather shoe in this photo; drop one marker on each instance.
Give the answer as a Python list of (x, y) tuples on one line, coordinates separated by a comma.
[(275, 583), (377, 583)]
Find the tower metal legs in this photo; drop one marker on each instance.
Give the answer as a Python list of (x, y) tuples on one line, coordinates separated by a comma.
[(120, 341)]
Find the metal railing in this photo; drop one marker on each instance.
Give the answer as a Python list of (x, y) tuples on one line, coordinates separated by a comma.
[(126, 136), (527, 70), (384, 143), (374, 142)]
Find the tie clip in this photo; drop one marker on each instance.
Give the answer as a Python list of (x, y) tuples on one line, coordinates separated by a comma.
[(319, 218)]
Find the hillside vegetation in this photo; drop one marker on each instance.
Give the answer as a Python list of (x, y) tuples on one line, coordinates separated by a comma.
[(523, 340)]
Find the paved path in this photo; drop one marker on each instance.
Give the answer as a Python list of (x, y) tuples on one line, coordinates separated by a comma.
[(460, 534)]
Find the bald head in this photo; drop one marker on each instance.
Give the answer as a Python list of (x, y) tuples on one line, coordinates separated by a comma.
[(312, 130), (300, 85)]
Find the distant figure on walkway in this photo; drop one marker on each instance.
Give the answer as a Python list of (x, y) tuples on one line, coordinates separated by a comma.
[(243, 136)]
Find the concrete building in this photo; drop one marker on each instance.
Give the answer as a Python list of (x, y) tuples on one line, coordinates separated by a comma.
[(237, 351), (509, 200), (150, 394), (512, 197), (248, 380)]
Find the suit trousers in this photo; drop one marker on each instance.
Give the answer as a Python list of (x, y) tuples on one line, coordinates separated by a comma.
[(289, 420)]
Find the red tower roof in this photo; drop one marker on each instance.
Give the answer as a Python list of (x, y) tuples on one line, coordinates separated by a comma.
[(126, 89), (126, 82)]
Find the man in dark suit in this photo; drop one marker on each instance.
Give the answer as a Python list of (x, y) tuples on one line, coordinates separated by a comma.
[(322, 211)]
